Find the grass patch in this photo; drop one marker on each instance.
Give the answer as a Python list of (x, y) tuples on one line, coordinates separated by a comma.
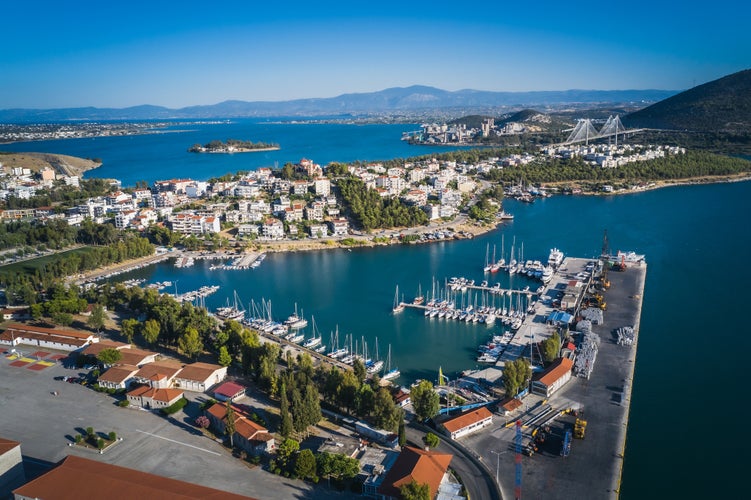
[(32, 265)]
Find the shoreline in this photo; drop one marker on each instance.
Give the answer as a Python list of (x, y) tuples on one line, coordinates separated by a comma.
[(257, 150)]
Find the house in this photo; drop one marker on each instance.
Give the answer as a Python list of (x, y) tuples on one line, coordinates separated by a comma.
[(229, 391), (153, 397), (49, 338), (509, 405), (553, 378), (318, 231), (402, 398), (137, 357), (160, 375), (414, 464), (11, 467), (198, 377), (250, 436), (272, 229), (118, 377), (78, 477), (466, 423), (94, 349), (339, 227)]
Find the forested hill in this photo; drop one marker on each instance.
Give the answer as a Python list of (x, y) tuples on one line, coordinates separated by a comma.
[(720, 105)]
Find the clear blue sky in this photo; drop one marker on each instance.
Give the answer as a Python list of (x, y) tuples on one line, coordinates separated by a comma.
[(114, 54)]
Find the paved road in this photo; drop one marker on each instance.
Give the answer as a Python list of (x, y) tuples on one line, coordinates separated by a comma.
[(480, 484)]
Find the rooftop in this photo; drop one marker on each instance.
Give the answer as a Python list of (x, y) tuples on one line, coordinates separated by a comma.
[(465, 419), (556, 370), (76, 477)]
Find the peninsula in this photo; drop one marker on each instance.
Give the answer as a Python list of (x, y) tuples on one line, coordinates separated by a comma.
[(233, 146)]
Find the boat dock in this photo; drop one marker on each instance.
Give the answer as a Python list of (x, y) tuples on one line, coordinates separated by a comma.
[(562, 466), (245, 261)]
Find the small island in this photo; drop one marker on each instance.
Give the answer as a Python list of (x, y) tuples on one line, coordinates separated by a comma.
[(233, 146)]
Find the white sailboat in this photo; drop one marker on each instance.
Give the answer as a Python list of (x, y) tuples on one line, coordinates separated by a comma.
[(315, 340), (391, 373), (398, 305)]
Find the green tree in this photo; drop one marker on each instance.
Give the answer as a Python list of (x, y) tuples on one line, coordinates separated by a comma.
[(415, 491), (224, 358), (229, 424), (97, 317), (151, 331), (386, 414), (62, 318), (516, 375), (285, 425), (431, 440), (286, 450), (551, 347), (190, 342), (129, 327), (109, 356), (359, 370), (425, 400), (402, 432), (305, 464)]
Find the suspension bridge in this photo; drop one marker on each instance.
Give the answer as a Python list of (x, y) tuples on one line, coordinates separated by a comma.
[(584, 131)]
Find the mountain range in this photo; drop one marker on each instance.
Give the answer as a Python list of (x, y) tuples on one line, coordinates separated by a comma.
[(392, 100)]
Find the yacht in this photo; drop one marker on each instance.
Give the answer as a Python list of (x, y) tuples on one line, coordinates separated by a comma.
[(555, 258)]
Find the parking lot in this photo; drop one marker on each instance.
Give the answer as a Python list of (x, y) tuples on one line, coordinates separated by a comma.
[(46, 424)]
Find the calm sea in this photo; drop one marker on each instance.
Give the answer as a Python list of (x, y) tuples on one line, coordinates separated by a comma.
[(686, 436)]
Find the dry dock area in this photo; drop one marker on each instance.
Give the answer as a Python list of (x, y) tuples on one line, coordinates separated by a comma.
[(592, 469)]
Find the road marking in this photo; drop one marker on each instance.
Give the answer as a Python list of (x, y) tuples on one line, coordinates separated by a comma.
[(178, 442)]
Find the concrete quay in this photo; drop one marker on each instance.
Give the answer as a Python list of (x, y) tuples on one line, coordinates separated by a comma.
[(593, 467)]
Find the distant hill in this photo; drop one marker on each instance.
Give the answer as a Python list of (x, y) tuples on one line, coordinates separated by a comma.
[(720, 105), (397, 99)]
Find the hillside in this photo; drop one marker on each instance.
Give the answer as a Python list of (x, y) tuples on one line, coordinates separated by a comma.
[(67, 165), (720, 105)]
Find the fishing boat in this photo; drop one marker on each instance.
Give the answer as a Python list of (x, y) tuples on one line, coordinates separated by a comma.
[(398, 306)]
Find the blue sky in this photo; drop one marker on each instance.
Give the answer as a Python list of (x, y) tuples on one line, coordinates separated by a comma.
[(115, 54)]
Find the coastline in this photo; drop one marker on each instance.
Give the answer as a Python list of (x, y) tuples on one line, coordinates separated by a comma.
[(238, 151)]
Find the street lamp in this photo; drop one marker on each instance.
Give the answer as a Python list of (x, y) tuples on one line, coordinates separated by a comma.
[(498, 464)]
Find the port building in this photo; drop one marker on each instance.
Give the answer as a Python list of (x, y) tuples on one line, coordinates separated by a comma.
[(553, 378)]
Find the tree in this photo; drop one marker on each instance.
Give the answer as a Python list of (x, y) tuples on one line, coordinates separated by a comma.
[(190, 342), (386, 414), (285, 450), (203, 422), (305, 465), (516, 375), (128, 328), (109, 356), (151, 331), (229, 427), (431, 440), (551, 347), (359, 369), (224, 358), (415, 491), (97, 317), (402, 431), (425, 400), (62, 318), (285, 426)]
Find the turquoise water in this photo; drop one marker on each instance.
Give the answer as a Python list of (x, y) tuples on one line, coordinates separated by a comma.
[(686, 434)]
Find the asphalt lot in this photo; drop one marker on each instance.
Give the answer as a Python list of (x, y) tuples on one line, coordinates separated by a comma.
[(45, 424)]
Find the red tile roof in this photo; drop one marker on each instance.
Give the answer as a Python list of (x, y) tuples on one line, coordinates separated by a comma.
[(198, 372), (158, 371), (466, 419), (414, 464), (76, 477), (17, 327), (6, 445), (229, 389), (118, 374), (555, 371), (97, 347)]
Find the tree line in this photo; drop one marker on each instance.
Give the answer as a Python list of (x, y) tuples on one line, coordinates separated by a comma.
[(370, 211)]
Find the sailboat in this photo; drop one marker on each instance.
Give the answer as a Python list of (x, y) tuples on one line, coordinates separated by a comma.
[(235, 312), (398, 306), (315, 340), (296, 322), (376, 365), (390, 372), (419, 298), (488, 265)]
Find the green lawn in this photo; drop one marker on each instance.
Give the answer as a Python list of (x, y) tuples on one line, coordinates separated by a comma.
[(31, 265)]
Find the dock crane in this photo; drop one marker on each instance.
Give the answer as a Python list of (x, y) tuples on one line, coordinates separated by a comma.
[(605, 259)]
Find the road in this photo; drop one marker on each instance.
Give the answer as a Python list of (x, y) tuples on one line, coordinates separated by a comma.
[(476, 479)]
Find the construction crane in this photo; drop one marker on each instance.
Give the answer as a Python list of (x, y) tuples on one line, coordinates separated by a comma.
[(605, 258)]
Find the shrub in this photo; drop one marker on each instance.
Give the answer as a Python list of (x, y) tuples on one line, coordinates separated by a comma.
[(110, 391), (179, 405), (203, 422), (89, 431), (124, 403), (100, 443), (78, 438), (112, 435)]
